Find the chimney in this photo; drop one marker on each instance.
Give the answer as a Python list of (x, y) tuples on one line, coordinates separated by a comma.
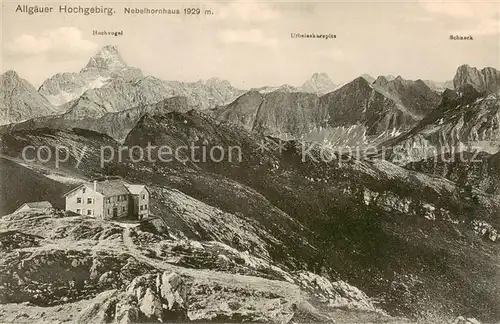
[(95, 185)]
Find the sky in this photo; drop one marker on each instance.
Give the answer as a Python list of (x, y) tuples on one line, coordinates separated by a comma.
[(250, 44)]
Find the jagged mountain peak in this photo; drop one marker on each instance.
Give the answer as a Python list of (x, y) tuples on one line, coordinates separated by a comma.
[(381, 80), (361, 81), (384, 79), (217, 81), (489, 69), (10, 74), (11, 79), (320, 76), (415, 96), (109, 49), (368, 78), (108, 58), (102, 69), (399, 81), (485, 80), (319, 83), (465, 67)]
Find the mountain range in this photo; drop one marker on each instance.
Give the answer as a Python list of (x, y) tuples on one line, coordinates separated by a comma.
[(107, 84), (376, 110)]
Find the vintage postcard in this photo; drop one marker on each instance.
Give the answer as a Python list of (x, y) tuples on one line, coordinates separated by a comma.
[(250, 161)]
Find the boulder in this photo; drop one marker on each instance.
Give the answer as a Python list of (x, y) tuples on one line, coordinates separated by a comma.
[(150, 305), (173, 290)]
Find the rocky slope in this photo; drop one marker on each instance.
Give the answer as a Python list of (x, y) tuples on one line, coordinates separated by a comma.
[(415, 96), (418, 238), (19, 100), (478, 169), (465, 121), (276, 113), (115, 124)]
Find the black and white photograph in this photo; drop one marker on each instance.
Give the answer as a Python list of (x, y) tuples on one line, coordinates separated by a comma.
[(250, 161)]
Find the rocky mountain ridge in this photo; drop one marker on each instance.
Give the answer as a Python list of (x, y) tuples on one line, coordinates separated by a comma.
[(415, 96), (439, 87), (319, 83), (19, 100), (374, 110), (107, 84), (485, 80), (114, 124)]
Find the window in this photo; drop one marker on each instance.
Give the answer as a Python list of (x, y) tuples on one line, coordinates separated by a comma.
[(145, 207), (78, 211), (83, 190), (124, 197), (89, 211), (141, 207), (109, 211), (78, 200), (143, 196), (123, 209), (89, 200), (109, 200)]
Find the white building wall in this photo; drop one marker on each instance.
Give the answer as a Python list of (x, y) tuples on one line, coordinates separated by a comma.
[(90, 203)]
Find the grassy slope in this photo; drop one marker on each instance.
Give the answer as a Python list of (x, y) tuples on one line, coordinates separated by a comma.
[(19, 185)]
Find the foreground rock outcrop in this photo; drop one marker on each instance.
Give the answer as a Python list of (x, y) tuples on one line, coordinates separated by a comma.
[(72, 261)]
